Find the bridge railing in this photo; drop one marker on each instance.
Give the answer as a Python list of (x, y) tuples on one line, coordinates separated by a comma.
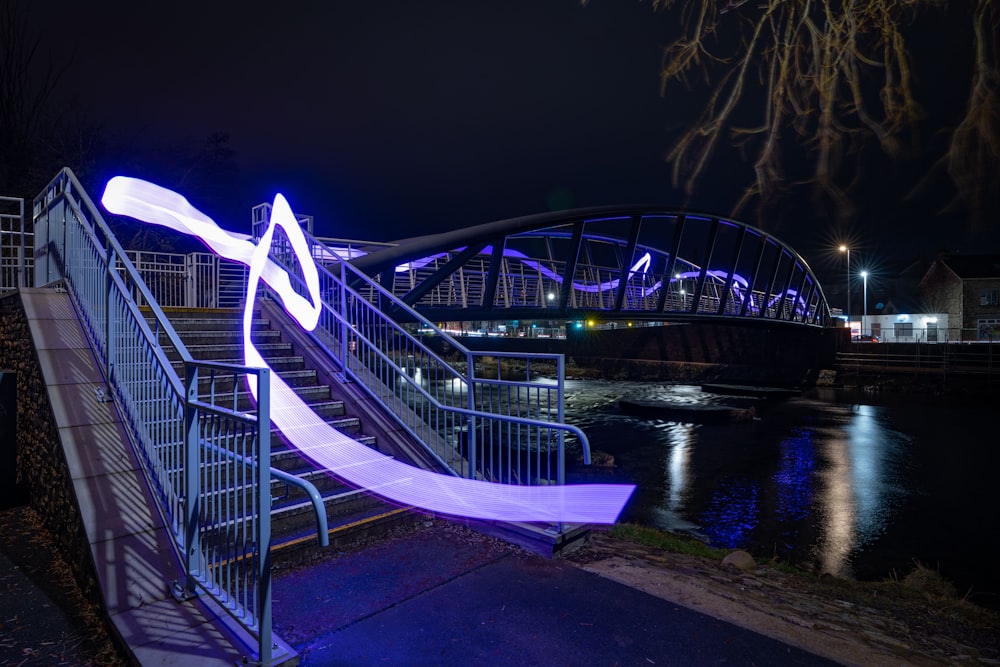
[(921, 358), (503, 430), (201, 453), (490, 415), (487, 415)]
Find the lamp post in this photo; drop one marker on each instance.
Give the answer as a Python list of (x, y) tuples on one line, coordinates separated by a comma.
[(844, 248), (864, 275)]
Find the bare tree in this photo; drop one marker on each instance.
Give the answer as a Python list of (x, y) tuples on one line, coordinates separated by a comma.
[(973, 158), (819, 79), (26, 86)]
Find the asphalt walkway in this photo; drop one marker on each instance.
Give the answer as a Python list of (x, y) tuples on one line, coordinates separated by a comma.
[(452, 597)]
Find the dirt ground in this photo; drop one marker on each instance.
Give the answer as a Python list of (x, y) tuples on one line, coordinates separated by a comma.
[(852, 623), (44, 617)]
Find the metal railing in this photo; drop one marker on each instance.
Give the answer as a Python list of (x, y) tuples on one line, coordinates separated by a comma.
[(16, 246), (194, 280), (205, 458), (489, 415), (486, 415), (985, 333), (954, 358)]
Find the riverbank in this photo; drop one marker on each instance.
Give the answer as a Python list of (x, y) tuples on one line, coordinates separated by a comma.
[(914, 620)]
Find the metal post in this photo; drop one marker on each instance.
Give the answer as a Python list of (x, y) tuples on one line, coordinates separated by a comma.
[(864, 316), (561, 435), (346, 329), (109, 328), (848, 313), (192, 547), (470, 374), (264, 513), (191, 281)]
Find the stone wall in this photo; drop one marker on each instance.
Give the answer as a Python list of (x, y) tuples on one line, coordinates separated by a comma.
[(41, 463)]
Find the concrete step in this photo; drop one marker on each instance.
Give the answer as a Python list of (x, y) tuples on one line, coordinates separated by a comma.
[(279, 364), (215, 324), (219, 351), (293, 547), (295, 516), (199, 337), (353, 516), (315, 394), (233, 483), (304, 377)]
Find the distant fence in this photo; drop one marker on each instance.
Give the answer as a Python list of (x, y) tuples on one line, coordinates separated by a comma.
[(952, 358), (16, 245), (934, 335)]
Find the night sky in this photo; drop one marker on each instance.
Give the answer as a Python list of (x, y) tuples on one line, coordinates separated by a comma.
[(392, 119)]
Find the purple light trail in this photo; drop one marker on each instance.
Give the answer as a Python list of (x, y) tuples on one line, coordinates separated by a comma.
[(348, 459)]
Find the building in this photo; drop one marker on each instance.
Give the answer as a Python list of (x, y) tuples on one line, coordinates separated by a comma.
[(967, 288)]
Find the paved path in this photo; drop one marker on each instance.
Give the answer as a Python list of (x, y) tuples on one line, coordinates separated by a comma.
[(451, 597)]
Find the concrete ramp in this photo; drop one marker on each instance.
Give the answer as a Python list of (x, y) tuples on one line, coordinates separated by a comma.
[(130, 553)]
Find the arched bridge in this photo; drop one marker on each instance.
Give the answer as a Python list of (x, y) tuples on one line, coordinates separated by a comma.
[(610, 263)]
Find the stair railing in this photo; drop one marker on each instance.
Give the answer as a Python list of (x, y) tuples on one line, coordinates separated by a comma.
[(201, 454), (487, 415)]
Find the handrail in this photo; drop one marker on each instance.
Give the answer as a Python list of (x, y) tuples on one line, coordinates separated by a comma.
[(584, 441), (350, 317), (322, 525), (170, 427), (160, 317)]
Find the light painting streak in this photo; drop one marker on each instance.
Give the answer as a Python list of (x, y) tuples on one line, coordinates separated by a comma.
[(348, 459)]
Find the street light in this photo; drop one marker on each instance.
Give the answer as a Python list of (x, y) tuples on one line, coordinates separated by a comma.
[(844, 248), (864, 275)]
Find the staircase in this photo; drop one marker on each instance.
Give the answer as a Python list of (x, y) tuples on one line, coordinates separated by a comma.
[(353, 516)]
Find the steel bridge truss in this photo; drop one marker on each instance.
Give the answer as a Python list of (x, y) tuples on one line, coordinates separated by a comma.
[(612, 264)]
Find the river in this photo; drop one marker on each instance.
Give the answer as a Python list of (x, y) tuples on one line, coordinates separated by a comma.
[(859, 485)]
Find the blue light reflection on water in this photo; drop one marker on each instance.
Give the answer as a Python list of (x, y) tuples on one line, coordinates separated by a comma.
[(849, 488), (732, 514), (794, 475), (794, 482)]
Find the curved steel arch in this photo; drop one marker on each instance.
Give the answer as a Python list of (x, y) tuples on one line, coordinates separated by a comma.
[(610, 263)]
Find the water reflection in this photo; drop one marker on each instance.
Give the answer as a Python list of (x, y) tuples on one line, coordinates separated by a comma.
[(836, 508), (679, 476), (862, 490), (733, 513), (793, 477), (809, 481), (678, 463)]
